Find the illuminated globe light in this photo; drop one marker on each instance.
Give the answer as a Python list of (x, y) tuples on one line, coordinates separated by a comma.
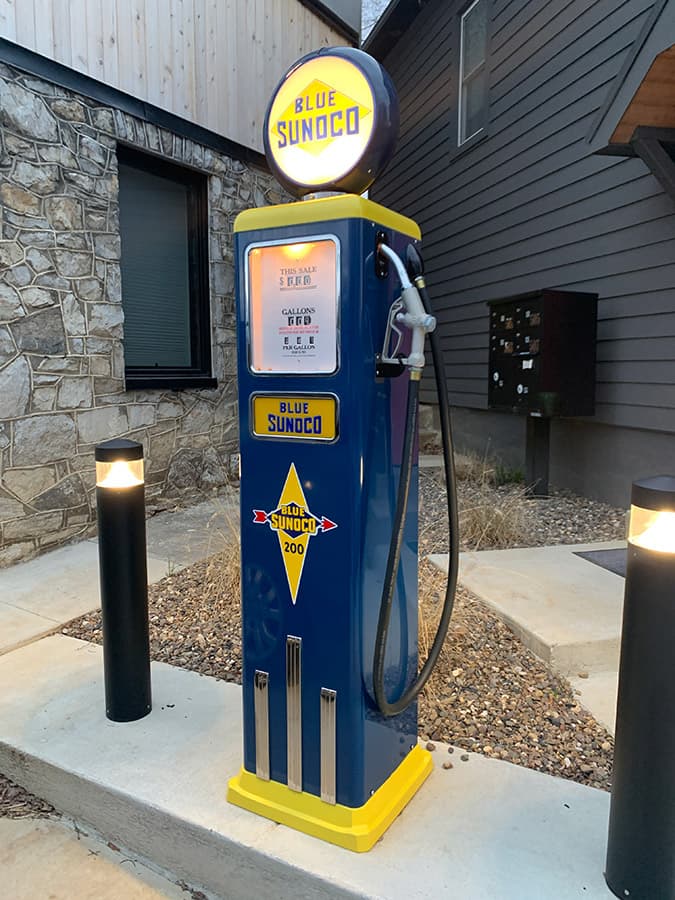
[(332, 123)]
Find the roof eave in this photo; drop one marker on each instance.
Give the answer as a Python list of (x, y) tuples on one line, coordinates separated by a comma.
[(390, 26), (649, 43), (333, 20)]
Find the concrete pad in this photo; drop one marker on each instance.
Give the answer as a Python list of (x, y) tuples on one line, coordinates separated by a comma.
[(18, 627), (597, 694), (72, 866), (38, 596), (483, 830), (563, 607), (184, 536)]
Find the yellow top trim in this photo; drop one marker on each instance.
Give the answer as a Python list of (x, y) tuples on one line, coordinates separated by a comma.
[(346, 206)]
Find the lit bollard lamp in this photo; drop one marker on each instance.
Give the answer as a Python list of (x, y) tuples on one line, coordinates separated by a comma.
[(641, 844), (120, 501)]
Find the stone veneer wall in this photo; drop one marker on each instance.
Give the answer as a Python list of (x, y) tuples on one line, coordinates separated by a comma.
[(62, 323)]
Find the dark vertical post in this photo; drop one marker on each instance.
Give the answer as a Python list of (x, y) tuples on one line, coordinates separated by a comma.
[(120, 501), (641, 844), (537, 443)]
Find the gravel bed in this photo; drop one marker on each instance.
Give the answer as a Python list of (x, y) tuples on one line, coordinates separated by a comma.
[(195, 621), (509, 518), (17, 803), (488, 694)]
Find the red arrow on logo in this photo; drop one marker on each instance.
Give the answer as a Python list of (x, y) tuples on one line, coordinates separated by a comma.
[(326, 524), (259, 516)]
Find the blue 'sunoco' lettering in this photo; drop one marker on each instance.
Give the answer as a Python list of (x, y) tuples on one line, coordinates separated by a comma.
[(318, 127), (294, 424)]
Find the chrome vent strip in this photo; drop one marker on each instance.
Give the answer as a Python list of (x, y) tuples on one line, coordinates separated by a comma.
[(294, 713), (262, 724), (328, 700)]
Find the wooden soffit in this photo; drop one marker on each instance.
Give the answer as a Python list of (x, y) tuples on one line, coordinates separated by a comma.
[(653, 104)]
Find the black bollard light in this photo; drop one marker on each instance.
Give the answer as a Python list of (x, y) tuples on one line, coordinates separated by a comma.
[(120, 501), (641, 844)]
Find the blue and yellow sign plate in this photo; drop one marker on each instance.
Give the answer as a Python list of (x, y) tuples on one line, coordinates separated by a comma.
[(299, 417)]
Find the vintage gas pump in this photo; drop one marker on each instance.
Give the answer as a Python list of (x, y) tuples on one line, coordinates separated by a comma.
[(330, 352)]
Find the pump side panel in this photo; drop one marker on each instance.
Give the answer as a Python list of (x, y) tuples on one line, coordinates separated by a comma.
[(351, 482)]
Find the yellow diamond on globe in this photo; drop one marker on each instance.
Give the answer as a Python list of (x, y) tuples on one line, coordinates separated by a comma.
[(319, 115)]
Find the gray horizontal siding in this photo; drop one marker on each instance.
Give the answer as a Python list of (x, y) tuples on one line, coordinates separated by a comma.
[(638, 326), (585, 198), (624, 415), (634, 371), (528, 207), (661, 396)]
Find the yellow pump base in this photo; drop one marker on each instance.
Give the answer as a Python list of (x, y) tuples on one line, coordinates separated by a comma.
[(355, 828)]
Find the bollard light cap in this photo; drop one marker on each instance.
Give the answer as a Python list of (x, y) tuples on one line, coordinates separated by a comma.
[(656, 492), (119, 448)]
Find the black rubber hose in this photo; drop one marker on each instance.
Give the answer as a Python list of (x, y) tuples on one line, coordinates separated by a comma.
[(393, 708), (391, 572)]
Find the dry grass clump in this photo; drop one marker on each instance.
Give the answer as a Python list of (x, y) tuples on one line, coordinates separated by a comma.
[(431, 594), (489, 518), (486, 469), (493, 521), (223, 572), (472, 467)]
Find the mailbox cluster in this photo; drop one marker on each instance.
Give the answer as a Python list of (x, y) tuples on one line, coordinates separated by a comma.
[(542, 353)]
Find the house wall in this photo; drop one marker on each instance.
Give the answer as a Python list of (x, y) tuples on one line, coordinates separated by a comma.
[(527, 207), (212, 62), (62, 324)]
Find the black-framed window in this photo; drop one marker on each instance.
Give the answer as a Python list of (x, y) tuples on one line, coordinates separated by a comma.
[(164, 264), (473, 71)]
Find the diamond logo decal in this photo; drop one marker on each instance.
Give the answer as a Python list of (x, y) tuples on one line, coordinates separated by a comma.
[(294, 525)]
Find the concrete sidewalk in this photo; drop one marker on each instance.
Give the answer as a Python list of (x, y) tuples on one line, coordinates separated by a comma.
[(483, 830), (39, 596), (74, 865)]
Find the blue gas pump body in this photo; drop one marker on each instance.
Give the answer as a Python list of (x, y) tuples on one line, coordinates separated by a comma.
[(342, 497)]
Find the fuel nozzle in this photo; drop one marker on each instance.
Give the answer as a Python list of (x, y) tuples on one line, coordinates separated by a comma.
[(410, 313), (415, 268)]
